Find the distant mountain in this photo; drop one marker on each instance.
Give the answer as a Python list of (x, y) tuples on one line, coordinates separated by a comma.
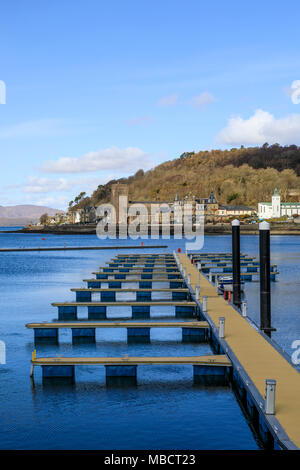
[(23, 214)]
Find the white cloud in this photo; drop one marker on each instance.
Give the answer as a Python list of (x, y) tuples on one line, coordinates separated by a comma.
[(168, 100), (294, 91), (36, 185), (57, 202), (127, 160), (203, 100), (260, 128), (46, 185)]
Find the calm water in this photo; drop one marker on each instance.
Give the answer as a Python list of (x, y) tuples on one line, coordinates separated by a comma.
[(165, 410)]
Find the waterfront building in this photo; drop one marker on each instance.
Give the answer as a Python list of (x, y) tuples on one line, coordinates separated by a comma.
[(210, 203), (276, 208), (235, 210)]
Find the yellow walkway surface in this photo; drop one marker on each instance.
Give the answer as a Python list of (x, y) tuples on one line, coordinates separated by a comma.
[(119, 324), (212, 360), (259, 358)]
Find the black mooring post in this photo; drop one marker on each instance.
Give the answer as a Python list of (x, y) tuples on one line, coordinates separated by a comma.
[(236, 263), (265, 286)]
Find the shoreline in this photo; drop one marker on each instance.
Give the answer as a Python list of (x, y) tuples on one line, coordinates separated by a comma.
[(208, 230)]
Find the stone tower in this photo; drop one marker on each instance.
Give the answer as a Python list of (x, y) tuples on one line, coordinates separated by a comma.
[(119, 199), (276, 212)]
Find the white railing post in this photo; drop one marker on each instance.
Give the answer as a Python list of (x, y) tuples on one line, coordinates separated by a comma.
[(244, 309), (270, 397), (221, 327)]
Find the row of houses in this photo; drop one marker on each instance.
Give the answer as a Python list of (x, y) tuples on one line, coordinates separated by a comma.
[(212, 209), (86, 215), (119, 196), (215, 211)]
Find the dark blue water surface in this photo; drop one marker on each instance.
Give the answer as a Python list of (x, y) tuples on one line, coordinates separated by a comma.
[(165, 410)]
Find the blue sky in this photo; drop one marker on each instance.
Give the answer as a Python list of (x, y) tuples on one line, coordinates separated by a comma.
[(97, 90)]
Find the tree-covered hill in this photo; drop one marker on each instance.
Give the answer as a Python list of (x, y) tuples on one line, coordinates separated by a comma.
[(236, 176)]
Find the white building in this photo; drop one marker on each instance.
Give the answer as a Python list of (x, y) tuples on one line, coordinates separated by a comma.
[(235, 210), (276, 208)]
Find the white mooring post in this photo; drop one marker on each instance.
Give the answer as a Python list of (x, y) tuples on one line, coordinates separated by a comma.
[(197, 292), (244, 309), (184, 273), (217, 282), (204, 304), (270, 397), (210, 277), (221, 327), (199, 266), (189, 278)]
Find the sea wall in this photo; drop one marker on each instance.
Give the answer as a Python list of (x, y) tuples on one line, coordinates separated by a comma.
[(213, 229)]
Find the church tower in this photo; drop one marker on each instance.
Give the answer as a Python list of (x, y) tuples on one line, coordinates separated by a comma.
[(276, 211)]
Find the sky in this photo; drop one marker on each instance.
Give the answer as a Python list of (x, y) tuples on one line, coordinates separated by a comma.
[(92, 90)]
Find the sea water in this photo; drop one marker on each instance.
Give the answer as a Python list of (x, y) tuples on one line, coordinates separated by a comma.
[(165, 410)]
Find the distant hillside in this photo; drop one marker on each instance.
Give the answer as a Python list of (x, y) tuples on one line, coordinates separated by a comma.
[(236, 176), (23, 214)]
